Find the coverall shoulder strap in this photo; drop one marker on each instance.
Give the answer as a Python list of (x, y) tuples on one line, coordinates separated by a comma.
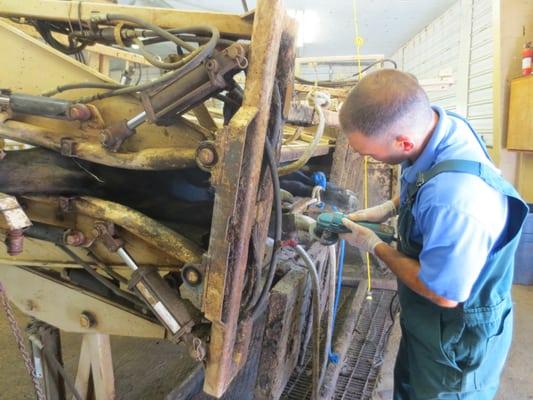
[(482, 170)]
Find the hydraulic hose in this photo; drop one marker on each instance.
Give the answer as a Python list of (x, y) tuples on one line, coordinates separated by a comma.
[(320, 100), (127, 296), (260, 294), (263, 296), (148, 25), (310, 265), (82, 85), (200, 39), (179, 68), (208, 48)]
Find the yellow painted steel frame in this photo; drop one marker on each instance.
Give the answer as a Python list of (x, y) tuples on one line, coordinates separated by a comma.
[(34, 68), (152, 147), (231, 25), (44, 298)]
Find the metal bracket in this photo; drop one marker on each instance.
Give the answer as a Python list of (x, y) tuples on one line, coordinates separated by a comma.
[(12, 212)]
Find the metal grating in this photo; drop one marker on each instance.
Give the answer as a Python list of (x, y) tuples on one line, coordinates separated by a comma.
[(363, 359)]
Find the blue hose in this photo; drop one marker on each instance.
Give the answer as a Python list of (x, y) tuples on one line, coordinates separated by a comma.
[(319, 179)]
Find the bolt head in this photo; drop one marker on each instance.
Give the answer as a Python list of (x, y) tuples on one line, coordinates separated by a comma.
[(192, 276), (74, 238), (87, 320), (206, 156)]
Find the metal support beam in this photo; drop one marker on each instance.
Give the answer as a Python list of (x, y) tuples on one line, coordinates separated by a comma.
[(57, 10), (46, 299)]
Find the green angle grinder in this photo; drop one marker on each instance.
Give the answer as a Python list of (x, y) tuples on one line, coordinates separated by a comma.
[(328, 226)]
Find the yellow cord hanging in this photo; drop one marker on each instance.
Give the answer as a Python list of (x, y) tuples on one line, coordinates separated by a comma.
[(358, 41)]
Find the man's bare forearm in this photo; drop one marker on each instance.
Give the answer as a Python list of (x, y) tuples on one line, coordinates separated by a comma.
[(407, 270)]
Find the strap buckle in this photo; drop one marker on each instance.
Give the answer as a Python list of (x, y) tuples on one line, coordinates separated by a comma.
[(420, 180)]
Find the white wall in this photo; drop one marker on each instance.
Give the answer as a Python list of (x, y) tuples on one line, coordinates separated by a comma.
[(460, 42)]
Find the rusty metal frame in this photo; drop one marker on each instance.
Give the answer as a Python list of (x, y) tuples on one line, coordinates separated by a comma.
[(242, 203), (236, 179)]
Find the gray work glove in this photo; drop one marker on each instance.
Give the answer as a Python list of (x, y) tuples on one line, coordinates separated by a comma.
[(379, 213), (360, 237)]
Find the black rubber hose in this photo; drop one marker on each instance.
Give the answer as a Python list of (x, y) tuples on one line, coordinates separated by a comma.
[(200, 39), (154, 28), (45, 30), (203, 53), (200, 54), (82, 85), (389, 60), (272, 164), (127, 296), (345, 82), (256, 289), (208, 47)]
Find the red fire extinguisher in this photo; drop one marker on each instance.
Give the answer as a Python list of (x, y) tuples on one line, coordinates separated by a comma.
[(527, 59)]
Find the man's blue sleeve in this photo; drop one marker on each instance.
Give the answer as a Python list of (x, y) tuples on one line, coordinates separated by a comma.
[(455, 248)]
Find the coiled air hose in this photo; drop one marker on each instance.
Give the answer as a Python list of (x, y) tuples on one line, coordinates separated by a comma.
[(320, 100)]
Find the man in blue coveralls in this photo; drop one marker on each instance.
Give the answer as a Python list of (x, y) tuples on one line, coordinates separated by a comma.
[(458, 229)]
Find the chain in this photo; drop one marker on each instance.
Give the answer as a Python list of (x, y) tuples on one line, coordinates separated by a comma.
[(15, 329)]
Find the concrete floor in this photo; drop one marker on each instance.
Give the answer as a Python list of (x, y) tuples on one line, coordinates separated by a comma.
[(148, 369), (517, 378)]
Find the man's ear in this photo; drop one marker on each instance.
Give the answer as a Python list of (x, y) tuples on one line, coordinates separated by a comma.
[(405, 143)]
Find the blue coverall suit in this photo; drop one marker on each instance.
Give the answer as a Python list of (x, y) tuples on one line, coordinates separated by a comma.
[(456, 353)]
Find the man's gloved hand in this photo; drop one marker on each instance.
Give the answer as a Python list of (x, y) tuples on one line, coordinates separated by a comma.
[(379, 213), (360, 237)]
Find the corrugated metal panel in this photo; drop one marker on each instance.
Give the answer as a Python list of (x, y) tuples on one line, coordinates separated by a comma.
[(480, 94), (434, 49), (438, 47)]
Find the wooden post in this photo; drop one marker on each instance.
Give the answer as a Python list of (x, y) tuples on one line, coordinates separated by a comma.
[(95, 375)]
